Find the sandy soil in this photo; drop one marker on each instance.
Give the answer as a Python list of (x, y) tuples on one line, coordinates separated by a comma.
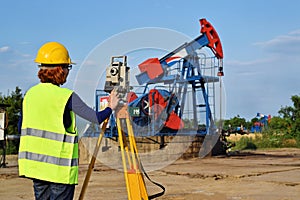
[(259, 175)]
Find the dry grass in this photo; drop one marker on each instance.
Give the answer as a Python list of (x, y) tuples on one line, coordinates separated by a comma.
[(237, 137)]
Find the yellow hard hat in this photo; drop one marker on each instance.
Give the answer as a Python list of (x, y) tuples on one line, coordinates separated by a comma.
[(53, 53)]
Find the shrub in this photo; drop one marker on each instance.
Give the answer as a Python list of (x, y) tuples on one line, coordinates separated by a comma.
[(267, 140)]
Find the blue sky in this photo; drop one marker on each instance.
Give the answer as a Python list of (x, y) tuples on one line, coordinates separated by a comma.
[(260, 39)]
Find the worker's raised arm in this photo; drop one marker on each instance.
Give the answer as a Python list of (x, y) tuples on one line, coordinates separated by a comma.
[(80, 108)]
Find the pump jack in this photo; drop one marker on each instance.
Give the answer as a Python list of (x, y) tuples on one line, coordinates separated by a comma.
[(188, 76)]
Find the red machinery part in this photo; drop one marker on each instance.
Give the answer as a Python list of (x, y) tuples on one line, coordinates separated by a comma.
[(131, 96), (158, 103), (152, 67), (213, 38), (174, 122)]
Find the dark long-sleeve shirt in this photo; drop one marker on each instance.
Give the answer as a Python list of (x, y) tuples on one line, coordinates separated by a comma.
[(80, 108)]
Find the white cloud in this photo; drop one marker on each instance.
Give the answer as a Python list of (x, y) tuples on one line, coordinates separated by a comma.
[(25, 43), (26, 55), (89, 62), (296, 32), (4, 49), (287, 45), (248, 62)]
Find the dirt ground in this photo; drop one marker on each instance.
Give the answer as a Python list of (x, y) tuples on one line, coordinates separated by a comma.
[(247, 175)]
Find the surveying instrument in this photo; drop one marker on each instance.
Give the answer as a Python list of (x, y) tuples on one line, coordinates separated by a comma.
[(117, 78)]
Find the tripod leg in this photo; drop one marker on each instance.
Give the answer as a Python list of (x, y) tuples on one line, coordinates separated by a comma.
[(93, 160), (122, 140), (135, 184)]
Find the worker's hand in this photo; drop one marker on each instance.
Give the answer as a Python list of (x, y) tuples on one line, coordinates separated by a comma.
[(113, 100)]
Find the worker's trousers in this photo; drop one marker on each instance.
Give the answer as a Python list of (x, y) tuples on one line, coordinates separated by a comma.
[(44, 190)]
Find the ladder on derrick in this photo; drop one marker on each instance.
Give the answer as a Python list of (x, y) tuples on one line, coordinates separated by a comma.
[(198, 80)]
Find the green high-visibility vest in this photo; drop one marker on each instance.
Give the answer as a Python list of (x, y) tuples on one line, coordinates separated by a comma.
[(48, 151)]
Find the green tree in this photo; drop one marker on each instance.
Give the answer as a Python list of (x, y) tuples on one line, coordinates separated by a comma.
[(292, 115), (280, 125), (235, 122)]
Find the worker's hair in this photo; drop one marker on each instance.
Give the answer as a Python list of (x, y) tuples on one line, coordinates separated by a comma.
[(54, 75)]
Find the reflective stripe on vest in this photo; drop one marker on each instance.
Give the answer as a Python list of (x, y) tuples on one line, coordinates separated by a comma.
[(48, 159), (50, 135)]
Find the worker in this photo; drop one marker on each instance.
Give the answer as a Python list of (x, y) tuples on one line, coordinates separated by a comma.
[(48, 152)]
